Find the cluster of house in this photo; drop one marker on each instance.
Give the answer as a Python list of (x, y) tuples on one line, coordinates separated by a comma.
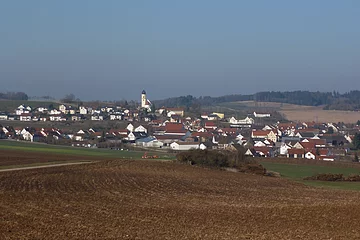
[(70, 113), (170, 129), (309, 140)]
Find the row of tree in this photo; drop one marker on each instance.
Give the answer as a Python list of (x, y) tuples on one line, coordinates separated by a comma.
[(331, 100), (14, 96)]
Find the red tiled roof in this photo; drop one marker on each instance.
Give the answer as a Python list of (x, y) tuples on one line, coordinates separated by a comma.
[(173, 126), (260, 132), (296, 151)]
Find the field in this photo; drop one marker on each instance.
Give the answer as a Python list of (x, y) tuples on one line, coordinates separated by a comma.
[(11, 105), (39, 153), (297, 170), (297, 112), (130, 199)]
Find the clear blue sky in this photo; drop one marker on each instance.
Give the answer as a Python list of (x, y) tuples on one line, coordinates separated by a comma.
[(113, 50)]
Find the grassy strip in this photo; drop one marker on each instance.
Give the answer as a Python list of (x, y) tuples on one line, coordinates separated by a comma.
[(42, 164), (67, 150), (298, 172)]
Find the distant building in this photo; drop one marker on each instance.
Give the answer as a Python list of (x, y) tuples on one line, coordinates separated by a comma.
[(145, 103)]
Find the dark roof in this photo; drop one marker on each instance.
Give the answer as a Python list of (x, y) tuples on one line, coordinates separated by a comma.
[(143, 92)]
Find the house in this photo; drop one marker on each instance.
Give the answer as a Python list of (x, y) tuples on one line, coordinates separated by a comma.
[(150, 142), (219, 115), (97, 117), (140, 129), (250, 152), (26, 117), (42, 109), (184, 146), (130, 127), (244, 121), (75, 118), (296, 153), (115, 116), (261, 115), (57, 118), (83, 110), (264, 151), (78, 137), (175, 118), (310, 155), (261, 134), (21, 111), (175, 111), (71, 110), (55, 112), (62, 108), (284, 148), (3, 116), (210, 125)]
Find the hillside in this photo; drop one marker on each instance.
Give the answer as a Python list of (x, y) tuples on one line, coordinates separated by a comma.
[(293, 112), (328, 100)]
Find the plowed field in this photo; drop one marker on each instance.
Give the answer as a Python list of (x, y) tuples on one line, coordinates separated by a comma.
[(123, 199), (19, 158)]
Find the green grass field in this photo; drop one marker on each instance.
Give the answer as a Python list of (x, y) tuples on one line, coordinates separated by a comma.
[(297, 172), (53, 149), (11, 105)]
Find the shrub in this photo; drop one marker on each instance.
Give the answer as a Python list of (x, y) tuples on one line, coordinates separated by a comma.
[(221, 159)]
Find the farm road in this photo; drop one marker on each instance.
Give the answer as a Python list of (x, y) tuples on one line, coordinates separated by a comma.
[(43, 166)]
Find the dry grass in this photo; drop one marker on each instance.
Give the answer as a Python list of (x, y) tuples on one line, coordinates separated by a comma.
[(317, 114), (122, 199)]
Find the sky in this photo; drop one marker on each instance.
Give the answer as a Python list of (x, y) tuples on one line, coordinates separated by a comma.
[(113, 49)]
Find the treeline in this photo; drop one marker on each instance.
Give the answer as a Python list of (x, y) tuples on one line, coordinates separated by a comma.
[(14, 96), (330, 100)]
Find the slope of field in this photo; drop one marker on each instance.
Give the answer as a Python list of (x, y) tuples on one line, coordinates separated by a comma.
[(294, 112), (127, 199), (11, 105), (297, 170), (20, 152)]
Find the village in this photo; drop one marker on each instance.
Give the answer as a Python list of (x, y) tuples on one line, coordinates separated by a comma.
[(170, 129)]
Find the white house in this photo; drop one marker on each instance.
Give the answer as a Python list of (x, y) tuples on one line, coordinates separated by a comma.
[(284, 149), (184, 146), (244, 121), (262, 115), (141, 129), (25, 117), (57, 118), (3, 116), (310, 155), (131, 137), (62, 108), (97, 117), (54, 112), (42, 109), (22, 109), (83, 110), (130, 127), (115, 116)]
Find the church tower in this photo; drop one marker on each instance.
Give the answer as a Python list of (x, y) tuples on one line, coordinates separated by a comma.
[(143, 99)]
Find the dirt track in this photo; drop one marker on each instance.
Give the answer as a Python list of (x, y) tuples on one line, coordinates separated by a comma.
[(123, 199), (13, 158), (42, 166)]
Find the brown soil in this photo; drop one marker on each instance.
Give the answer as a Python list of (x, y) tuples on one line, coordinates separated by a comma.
[(123, 199), (13, 157)]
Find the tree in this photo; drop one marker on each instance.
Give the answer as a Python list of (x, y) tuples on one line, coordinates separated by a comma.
[(330, 130), (358, 122), (356, 158), (153, 108), (356, 141), (69, 98)]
